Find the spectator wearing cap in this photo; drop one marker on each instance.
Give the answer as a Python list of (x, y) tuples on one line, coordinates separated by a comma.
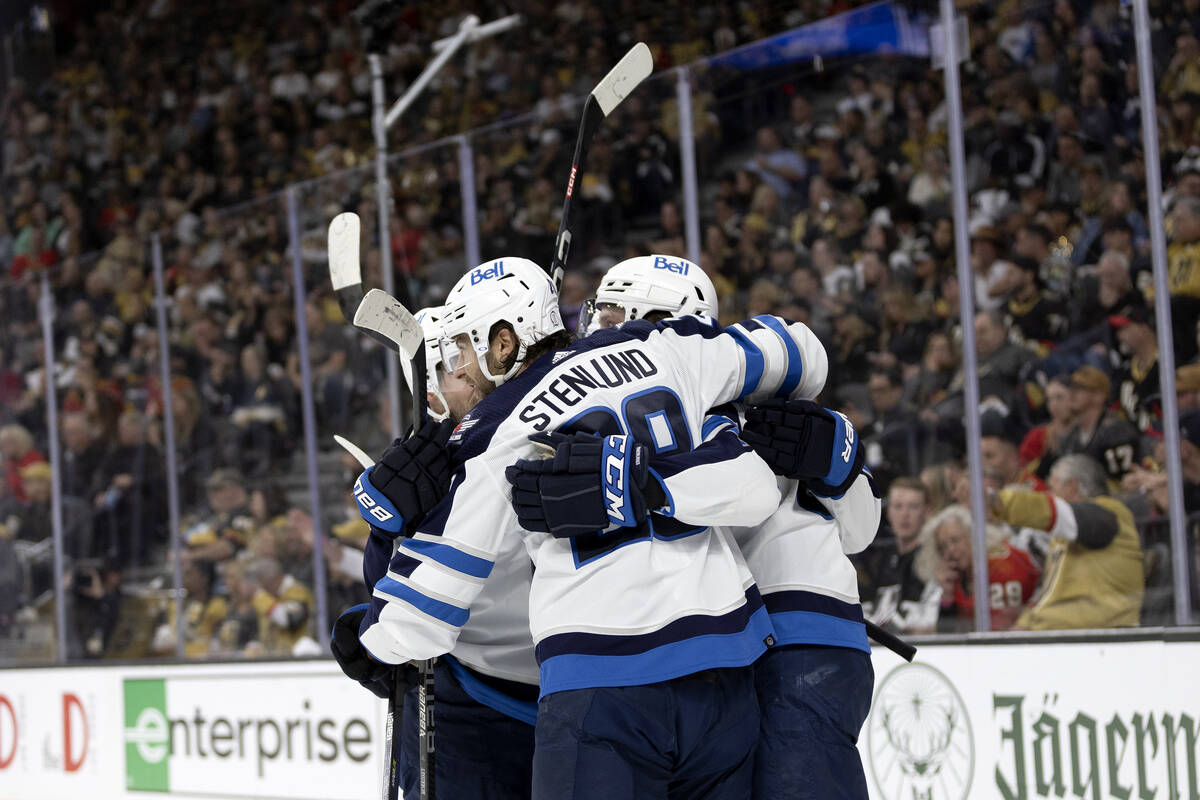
[(945, 558), (784, 170), (1137, 376), (1098, 432), (1093, 576), (129, 495), (893, 595), (16, 452), (1036, 318), (1183, 275), (228, 524)]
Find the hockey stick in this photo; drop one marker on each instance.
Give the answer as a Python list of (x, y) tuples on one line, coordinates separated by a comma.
[(386, 318), (345, 272), (891, 641), (614, 87), (389, 322)]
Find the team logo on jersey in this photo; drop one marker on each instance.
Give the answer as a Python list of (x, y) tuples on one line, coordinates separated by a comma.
[(479, 274), (465, 425), (678, 267), (919, 737)]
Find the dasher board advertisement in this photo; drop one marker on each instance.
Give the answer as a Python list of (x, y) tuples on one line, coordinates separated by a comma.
[(1002, 721), (1019, 722), (283, 730)]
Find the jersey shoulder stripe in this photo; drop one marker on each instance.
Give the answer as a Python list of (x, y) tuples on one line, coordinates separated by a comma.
[(755, 361), (795, 370)]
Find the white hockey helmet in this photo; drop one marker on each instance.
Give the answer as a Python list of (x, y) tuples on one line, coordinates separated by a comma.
[(512, 290), (656, 283), (431, 323)]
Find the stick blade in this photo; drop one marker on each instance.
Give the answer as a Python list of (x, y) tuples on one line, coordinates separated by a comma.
[(622, 79), (344, 232), (383, 316), (359, 455)]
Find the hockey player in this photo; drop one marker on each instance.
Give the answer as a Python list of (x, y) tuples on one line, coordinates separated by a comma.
[(486, 698), (815, 685), (637, 625)]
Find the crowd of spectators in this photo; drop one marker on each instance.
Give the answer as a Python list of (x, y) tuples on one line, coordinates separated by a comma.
[(825, 197)]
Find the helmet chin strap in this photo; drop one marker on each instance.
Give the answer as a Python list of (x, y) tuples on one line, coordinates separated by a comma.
[(500, 379)]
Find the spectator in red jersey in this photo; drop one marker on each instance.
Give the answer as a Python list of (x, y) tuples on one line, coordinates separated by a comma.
[(1046, 438), (946, 557), (16, 453)]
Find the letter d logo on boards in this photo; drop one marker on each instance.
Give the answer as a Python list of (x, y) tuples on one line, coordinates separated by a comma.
[(147, 736)]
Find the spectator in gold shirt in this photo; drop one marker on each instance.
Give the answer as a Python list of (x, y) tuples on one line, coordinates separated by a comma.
[(1093, 576)]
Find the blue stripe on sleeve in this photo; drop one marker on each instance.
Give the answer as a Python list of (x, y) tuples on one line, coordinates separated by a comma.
[(435, 608), (754, 361), (450, 556), (839, 468), (795, 370), (713, 424)]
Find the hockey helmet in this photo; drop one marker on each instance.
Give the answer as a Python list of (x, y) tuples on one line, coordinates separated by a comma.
[(649, 284), (512, 290)]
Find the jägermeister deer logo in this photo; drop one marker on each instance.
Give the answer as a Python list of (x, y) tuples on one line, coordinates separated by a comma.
[(919, 737)]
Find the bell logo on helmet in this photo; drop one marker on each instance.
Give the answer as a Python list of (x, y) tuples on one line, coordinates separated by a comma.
[(679, 268), (479, 274)]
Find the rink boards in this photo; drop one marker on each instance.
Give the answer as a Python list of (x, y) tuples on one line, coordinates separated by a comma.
[(1111, 718)]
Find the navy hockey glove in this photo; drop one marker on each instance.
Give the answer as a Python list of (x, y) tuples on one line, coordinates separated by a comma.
[(801, 440), (589, 484), (410, 479), (354, 659)]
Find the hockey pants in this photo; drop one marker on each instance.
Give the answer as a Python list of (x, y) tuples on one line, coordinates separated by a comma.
[(690, 738), (480, 753), (814, 701)]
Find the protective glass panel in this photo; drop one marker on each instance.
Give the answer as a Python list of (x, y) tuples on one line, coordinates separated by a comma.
[(28, 598), (246, 540), (807, 164)]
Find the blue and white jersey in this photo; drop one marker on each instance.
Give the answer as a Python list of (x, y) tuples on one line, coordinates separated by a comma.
[(635, 605), (799, 558)]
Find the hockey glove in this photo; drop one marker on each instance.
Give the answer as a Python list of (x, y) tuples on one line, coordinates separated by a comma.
[(354, 659), (801, 440), (410, 479), (589, 484)]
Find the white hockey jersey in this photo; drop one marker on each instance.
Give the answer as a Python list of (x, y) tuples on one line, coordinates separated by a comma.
[(634, 606), (798, 558)]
